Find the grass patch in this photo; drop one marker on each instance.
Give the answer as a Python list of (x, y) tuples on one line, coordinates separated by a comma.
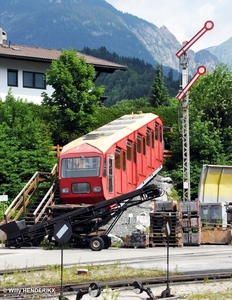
[(51, 275)]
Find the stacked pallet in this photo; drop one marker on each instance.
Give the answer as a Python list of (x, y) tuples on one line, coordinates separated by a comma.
[(165, 212), (190, 222)]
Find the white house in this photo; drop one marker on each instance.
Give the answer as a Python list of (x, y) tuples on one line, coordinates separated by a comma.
[(22, 69)]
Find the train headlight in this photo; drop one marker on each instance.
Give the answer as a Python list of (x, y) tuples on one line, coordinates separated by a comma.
[(64, 190), (97, 189)]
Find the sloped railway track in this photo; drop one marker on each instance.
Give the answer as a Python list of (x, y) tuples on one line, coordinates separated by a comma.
[(75, 287)]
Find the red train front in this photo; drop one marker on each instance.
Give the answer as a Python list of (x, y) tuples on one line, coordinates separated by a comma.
[(112, 160), (80, 175)]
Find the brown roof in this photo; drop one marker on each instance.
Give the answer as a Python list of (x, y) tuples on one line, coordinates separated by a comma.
[(47, 55)]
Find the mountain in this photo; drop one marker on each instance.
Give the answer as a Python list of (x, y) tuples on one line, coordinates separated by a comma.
[(92, 23), (223, 52)]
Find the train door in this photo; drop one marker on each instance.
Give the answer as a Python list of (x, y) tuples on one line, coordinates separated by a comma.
[(144, 157), (134, 165), (139, 155), (148, 147), (110, 174), (161, 144), (129, 162), (153, 149), (117, 170), (124, 179), (158, 144)]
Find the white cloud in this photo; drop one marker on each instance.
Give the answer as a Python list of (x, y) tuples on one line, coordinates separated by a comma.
[(184, 18)]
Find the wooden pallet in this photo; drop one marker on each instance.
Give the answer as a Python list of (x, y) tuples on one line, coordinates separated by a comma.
[(160, 239), (162, 229), (156, 235), (160, 218), (165, 244)]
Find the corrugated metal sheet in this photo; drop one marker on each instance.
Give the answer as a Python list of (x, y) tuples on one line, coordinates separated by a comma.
[(215, 184)]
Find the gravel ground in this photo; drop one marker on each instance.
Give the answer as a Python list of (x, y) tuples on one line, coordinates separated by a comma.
[(128, 222)]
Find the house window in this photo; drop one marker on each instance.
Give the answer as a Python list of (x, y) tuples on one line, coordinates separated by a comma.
[(33, 80), (12, 77)]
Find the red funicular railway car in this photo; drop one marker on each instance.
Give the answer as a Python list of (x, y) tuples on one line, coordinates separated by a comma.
[(114, 159)]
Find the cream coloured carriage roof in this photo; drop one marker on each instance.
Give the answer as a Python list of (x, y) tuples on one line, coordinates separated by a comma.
[(104, 137)]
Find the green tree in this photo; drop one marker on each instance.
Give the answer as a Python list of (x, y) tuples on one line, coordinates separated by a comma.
[(159, 93), (211, 96), (210, 127), (169, 115), (75, 95), (105, 115), (25, 144)]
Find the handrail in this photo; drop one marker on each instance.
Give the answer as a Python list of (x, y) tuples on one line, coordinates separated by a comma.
[(49, 192), (23, 199), (20, 194)]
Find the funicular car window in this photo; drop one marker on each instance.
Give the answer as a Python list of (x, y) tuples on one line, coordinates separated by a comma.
[(156, 131), (148, 137), (139, 143), (80, 167), (129, 150), (117, 158)]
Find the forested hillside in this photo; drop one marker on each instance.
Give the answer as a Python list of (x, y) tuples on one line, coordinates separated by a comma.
[(133, 84), (87, 23)]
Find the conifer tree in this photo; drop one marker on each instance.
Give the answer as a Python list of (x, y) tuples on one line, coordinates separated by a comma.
[(159, 92)]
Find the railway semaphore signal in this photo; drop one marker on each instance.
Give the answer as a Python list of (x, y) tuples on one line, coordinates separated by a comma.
[(209, 25), (200, 71), (183, 96)]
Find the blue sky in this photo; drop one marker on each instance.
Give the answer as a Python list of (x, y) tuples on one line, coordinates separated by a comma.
[(184, 18)]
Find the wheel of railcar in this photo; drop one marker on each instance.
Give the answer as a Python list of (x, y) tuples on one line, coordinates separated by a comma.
[(96, 243), (107, 241)]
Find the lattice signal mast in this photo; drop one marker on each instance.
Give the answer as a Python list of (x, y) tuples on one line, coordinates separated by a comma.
[(183, 96)]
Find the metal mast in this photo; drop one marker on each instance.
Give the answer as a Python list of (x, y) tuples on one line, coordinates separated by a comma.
[(185, 131)]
